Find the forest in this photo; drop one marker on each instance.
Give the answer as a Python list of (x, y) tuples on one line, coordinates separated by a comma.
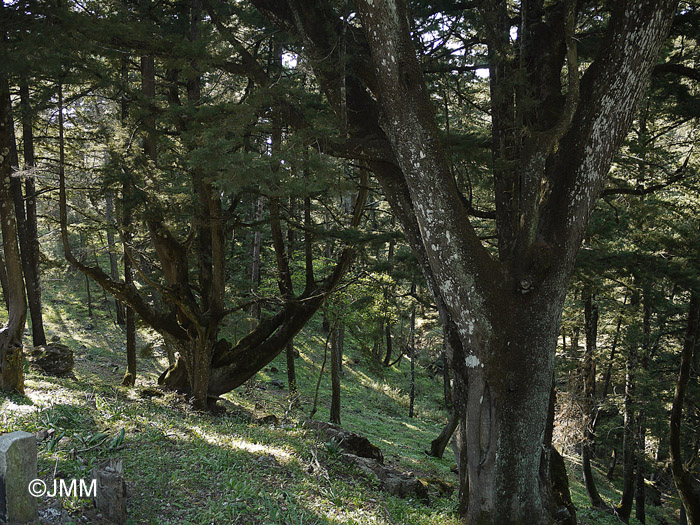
[(354, 261)]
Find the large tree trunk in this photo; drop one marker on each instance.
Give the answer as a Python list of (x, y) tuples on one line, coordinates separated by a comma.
[(233, 366), (687, 485), (11, 357), (551, 162)]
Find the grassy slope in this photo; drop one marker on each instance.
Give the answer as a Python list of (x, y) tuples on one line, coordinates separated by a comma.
[(186, 467)]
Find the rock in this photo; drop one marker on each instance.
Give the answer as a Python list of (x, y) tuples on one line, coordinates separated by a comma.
[(17, 470), (110, 498), (277, 384), (438, 486), (269, 419), (351, 442), (55, 339), (391, 480), (53, 359), (150, 392), (274, 370)]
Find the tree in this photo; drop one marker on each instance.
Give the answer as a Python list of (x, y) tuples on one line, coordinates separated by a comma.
[(552, 147), (11, 356), (688, 486)]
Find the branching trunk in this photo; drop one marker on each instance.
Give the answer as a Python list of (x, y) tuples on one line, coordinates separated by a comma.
[(505, 311), (233, 366)]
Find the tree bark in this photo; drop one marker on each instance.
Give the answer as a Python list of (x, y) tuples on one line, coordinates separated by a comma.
[(687, 485), (387, 319), (4, 285), (31, 267), (438, 445), (11, 356), (640, 490), (291, 368), (412, 347), (335, 373), (255, 264), (624, 509), (112, 249), (591, 325), (629, 439), (505, 311)]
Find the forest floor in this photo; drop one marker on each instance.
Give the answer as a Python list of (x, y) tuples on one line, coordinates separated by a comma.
[(183, 466)]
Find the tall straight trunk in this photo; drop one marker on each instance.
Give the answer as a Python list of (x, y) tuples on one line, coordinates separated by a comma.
[(335, 373), (89, 295), (412, 348), (629, 441), (687, 485), (308, 246), (387, 319), (31, 267), (613, 349), (640, 486), (30, 277), (640, 491), (11, 356), (389, 343), (130, 316), (291, 368), (589, 372), (112, 249), (150, 148), (290, 352), (258, 207)]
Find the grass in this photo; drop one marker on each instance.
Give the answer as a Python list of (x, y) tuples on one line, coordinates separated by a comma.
[(183, 466)]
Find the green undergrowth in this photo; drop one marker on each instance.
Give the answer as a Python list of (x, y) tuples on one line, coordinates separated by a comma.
[(183, 466)]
